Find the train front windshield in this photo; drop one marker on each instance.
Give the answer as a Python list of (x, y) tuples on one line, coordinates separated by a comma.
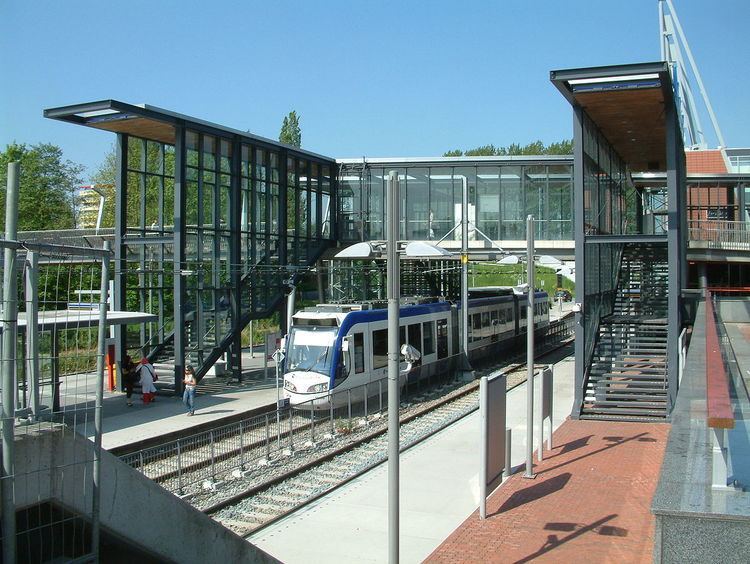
[(311, 349)]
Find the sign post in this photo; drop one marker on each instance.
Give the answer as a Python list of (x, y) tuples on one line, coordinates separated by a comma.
[(492, 414)]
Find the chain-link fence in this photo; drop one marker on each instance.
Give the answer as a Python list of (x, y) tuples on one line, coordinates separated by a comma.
[(52, 338)]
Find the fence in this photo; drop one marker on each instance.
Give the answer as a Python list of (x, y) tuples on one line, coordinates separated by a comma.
[(185, 464), (720, 234), (51, 367)]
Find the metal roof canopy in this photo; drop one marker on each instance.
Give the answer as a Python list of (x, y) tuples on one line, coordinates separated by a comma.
[(627, 103), (151, 122), (82, 319)]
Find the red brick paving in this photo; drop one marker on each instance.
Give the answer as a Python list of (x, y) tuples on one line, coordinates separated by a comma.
[(589, 502)]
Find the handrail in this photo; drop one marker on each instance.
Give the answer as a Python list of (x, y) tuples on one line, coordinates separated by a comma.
[(718, 402), (719, 233)]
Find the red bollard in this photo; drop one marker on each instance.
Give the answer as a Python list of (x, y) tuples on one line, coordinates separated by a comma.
[(110, 360)]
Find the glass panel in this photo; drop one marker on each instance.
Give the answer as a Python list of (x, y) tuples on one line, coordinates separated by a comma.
[(488, 201), (417, 212), (441, 201), (512, 221)]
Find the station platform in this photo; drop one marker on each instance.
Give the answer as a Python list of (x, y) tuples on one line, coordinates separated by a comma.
[(217, 399), (594, 489), (591, 496)]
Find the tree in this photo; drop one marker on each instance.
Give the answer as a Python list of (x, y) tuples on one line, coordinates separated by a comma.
[(564, 147), (47, 186), (291, 134), (104, 177)]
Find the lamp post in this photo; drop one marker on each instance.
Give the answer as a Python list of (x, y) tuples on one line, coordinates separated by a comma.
[(530, 348), (393, 291)]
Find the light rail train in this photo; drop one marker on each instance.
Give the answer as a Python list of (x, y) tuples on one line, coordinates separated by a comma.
[(333, 347)]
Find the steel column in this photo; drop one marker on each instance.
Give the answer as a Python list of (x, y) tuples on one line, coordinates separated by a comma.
[(120, 278), (179, 257), (675, 250), (235, 260), (580, 257)]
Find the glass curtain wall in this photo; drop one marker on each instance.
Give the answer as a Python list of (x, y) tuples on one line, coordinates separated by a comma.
[(282, 225), (500, 197), (149, 197), (606, 190)]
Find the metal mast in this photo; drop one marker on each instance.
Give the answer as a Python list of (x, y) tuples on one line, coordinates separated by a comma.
[(673, 42)]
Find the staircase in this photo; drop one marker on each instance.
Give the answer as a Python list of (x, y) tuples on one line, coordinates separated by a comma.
[(209, 333), (627, 378)]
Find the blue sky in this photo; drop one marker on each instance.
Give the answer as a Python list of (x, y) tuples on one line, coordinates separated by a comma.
[(368, 78)]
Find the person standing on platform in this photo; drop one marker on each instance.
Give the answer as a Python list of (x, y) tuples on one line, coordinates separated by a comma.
[(129, 378), (188, 396), (147, 376)]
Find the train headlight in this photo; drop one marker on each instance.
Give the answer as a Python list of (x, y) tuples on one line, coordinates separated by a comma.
[(318, 388), (288, 385)]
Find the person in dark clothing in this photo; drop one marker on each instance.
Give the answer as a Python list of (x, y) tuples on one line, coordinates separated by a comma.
[(129, 378)]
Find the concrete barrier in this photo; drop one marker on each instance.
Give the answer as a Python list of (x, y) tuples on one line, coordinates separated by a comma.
[(55, 464)]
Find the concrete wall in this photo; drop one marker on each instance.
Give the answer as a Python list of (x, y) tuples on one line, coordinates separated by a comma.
[(695, 522), (56, 464)]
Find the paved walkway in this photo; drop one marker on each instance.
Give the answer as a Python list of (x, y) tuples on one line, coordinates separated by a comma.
[(590, 501), (439, 490)]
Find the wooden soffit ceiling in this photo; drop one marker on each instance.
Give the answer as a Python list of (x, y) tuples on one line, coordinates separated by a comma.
[(634, 123)]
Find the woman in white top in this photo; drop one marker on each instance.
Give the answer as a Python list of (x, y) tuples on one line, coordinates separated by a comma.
[(147, 376)]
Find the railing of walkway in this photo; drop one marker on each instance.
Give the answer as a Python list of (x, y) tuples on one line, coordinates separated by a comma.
[(185, 465), (719, 234)]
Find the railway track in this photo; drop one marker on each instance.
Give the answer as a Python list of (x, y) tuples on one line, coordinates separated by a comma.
[(260, 504)]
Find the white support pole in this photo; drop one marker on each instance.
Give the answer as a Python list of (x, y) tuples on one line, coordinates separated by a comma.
[(530, 349), (9, 322), (394, 290), (32, 335), (465, 366), (101, 351)]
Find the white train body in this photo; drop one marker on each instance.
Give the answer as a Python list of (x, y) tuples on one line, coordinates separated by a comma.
[(334, 348)]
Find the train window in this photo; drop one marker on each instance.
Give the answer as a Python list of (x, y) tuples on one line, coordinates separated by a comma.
[(442, 338), (415, 336), (380, 348), (523, 313), (401, 336), (428, 329), (476, 327), (486, 323), (494, 319), (359, 352)]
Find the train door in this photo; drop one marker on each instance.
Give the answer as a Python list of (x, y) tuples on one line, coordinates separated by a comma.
[(429, 348), (454, 329)]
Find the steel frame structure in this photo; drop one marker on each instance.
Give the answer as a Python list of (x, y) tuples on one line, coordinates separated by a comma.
[(591, 239), (247, 216)]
